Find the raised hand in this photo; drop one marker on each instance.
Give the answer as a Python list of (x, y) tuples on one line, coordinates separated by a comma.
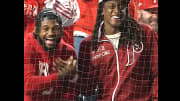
[(65, 67)]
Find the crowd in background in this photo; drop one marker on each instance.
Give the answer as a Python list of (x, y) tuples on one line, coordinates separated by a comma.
[(80, 15), (79, 20)]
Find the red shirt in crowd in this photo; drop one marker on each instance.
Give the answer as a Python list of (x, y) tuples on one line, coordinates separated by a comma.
[(31, 9), (88, 12)]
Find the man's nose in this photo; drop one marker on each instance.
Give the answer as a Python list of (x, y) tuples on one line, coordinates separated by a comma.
[(154, 15), (116, 10), (50, 32)]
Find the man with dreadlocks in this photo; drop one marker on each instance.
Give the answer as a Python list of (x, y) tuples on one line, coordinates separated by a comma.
[(49, 62), (119, 62)]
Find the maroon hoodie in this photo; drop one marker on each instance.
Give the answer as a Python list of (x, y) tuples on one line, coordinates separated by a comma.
[(123, 74)]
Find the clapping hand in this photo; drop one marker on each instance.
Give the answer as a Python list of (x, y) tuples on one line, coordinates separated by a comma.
[(65, 67)]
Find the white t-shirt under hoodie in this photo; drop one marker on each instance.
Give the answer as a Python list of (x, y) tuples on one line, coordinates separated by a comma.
[(114, 39)]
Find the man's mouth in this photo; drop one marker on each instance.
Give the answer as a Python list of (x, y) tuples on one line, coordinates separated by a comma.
[(50, 38), (115, 20), (50, 41), (115, 17)]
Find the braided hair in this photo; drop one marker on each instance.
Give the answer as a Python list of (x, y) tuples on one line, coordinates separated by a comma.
[(131, 31)]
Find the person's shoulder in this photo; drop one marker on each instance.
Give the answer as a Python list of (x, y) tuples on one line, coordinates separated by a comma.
[(87, 39), (146, 26), (147, 30), (64, 45), (29, 38), (148, 34), (66, 49), (30, 45), (87, 42)]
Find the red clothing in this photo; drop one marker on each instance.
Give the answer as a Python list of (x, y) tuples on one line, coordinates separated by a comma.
[(31, 9), (68, 35), (136, 5), (41, 82), (88, 12), (133, 9), (118, 81)]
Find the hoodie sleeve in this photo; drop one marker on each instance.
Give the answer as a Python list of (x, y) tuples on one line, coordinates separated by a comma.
[(154, 62), (32, 82), (87, 73), (152, 42)]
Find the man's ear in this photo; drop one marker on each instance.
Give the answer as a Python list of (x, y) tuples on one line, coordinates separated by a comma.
[(35, 31)]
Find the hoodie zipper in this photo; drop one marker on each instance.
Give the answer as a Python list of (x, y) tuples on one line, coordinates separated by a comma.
[(117, 59), (115, 49), (117, 73)]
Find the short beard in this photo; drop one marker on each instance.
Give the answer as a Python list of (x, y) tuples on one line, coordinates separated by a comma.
[(44, 46)]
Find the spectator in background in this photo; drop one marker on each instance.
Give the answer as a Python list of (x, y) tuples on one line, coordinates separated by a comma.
[(69, 12), (85, 25), (120, 59), (49, 62), (31, 9), (145, 11)]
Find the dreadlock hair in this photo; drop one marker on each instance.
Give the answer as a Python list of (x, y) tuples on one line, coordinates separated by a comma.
[(50, 14), (131, 31)]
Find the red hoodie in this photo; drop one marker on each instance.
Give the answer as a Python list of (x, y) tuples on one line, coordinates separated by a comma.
[(88, 12), (123, 74), (41, 82)]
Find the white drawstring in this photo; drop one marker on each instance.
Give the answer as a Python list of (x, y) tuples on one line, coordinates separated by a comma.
[(99, 32), (128, 63)]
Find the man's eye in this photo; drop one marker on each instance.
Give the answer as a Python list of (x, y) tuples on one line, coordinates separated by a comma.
[(153, 11), (45, 29), (56, 28), (111, 6)]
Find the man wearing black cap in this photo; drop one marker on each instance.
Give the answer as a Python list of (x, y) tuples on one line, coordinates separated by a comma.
[(49, 62)]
